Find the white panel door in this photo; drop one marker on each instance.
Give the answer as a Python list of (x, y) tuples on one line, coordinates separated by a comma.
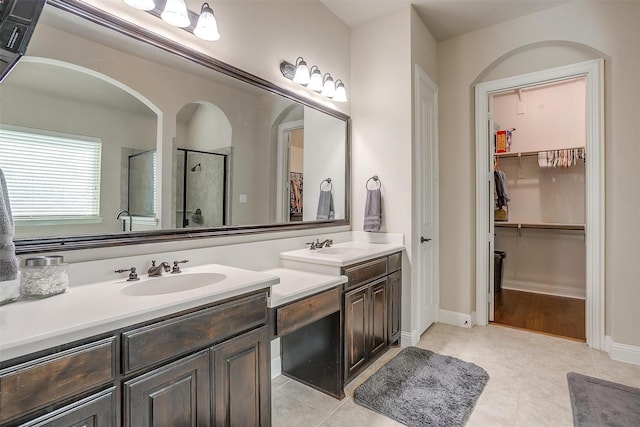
[(426, 167)]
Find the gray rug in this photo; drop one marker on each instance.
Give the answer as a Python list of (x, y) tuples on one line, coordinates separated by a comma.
[(421, 388), (597, 402)]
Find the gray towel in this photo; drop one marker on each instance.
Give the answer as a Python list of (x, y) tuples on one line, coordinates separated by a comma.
[(8, 261), (373, 210), (502, 191), (325, 206)]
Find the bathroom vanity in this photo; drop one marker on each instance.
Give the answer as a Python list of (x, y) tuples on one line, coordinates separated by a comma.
[(370, 298), (208, 364)]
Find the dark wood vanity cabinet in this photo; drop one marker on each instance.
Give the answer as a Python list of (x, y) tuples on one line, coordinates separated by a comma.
[(372, 310), (207, 366)]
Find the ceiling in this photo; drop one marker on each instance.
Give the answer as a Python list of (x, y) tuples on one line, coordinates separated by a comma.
[(444, 18)]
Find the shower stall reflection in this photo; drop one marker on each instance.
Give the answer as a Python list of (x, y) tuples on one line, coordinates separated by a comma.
[(201, 189)]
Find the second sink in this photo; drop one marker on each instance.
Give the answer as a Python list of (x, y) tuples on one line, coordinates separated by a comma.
[(171, 284)]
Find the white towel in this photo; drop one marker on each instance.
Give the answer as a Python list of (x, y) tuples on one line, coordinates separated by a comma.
[(373, 210), (325, 206), (8, 261)]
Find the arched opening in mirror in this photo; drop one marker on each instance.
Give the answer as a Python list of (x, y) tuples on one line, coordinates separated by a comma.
[(76, 126), (290, 165), (202, 165)]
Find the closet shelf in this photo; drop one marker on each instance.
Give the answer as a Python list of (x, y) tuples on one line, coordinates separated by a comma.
[(531, 153), (540, 226)]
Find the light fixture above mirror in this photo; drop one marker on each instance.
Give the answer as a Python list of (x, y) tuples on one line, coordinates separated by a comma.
[(176, 13), (312, 78)]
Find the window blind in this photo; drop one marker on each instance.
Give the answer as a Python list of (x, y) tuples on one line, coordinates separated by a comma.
[(51, 177)]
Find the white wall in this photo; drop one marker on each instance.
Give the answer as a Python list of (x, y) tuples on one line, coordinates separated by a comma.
[(546, 117), (384, 50), (585, 29)]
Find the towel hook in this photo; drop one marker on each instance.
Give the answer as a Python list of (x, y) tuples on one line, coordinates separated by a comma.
[(375, 179), (328, 181)]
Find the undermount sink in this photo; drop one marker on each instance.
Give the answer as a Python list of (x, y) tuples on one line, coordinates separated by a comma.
[(173, 283), (340, 251)]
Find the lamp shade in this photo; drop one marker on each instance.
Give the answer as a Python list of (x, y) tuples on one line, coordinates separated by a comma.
[(328, 86), (207, 26), (341, 92), (315, 81), (141, 4), (302, 72), (175, 13)]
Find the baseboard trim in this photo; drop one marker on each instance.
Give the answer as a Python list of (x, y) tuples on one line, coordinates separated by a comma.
[(455, 318), (276, 367), (622, 352), (544, 288), (408, 339)]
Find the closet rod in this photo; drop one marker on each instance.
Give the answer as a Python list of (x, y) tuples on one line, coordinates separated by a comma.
[(540, 226), (532, 153)]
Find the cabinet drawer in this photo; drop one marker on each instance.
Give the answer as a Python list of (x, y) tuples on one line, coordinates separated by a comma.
[(394, 263), (363, 273), (161, 341), (40, 382), (308, 310)]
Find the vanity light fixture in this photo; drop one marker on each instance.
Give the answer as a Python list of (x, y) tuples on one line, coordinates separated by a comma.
[(315, 81), (207, 27), (328, 86), (341, 92), (312, 78), (175, 12), (141, 4), (302, 72)]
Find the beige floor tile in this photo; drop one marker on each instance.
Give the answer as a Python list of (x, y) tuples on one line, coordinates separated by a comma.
[(495, 408), (527, 385), (350, 414)]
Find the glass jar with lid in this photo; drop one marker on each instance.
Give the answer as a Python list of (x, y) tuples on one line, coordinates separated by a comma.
[(44, 276)]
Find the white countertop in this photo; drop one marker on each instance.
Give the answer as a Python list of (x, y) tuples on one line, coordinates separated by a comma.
[(83, 311), (296, 284), (347, 253)]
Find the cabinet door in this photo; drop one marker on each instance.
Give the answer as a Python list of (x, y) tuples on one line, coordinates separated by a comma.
[(177, 394), (378, 320), (242, 380), (394, 286), (356, 329), (94, 411)]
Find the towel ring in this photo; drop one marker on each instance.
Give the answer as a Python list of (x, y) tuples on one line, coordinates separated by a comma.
[(375, 179), (328, 181)]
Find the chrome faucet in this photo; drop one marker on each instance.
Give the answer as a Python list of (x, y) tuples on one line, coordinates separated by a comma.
[(156, 270), (324, 244), (319, 245)]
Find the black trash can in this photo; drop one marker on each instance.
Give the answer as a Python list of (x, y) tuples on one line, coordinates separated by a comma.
[(498, 269)]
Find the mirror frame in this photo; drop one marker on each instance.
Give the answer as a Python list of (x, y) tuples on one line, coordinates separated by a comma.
[(97, 16)]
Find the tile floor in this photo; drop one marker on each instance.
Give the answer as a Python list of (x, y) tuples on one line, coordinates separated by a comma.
[(527, 385)]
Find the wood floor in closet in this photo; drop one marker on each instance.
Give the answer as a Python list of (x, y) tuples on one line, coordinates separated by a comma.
[(543, 313)]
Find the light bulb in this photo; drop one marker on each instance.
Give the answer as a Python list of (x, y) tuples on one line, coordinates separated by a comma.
[(302, 72), (175, 13), (328, 88), (315, 81), (141, 4), (207, 27), (341, 92)]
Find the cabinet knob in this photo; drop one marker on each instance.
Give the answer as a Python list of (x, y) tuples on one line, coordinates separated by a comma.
[(422, 240)]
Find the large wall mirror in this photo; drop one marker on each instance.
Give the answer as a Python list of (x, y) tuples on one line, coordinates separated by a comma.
[(124, 137)]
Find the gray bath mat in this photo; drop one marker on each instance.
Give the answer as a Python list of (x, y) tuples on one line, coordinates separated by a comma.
[(597, 402), (421, 388)]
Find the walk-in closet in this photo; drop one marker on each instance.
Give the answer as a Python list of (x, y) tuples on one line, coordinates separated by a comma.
[(539, 208)]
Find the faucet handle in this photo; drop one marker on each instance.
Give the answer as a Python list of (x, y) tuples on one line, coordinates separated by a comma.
[(133, 275), (312, 245), (176, 267)]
